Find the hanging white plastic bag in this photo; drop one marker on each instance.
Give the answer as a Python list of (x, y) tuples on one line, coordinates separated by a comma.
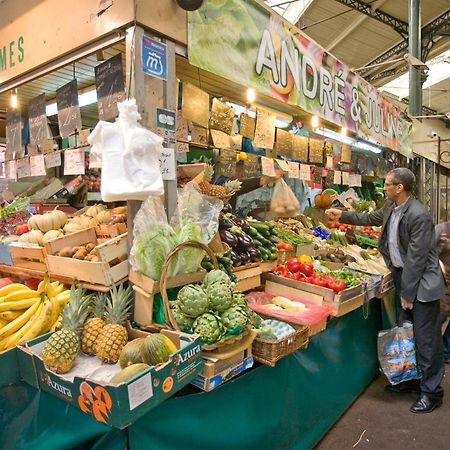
[(130, 156), (284, 202)]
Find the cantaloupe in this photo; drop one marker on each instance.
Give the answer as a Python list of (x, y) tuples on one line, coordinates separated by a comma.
[(128, 373)]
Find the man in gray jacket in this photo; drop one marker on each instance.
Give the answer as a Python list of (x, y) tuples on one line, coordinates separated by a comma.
[(407, 245)]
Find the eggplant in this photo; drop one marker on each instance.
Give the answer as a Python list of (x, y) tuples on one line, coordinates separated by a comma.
[(255, 254), (244, 241), (245, 257), (228, 238), (235, 258), (227, 208), (225, 224)]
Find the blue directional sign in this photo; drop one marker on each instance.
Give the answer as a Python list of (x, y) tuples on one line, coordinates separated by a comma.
[(154, 58)]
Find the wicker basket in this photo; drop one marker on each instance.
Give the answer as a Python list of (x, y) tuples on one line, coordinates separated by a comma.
[(269, 352)]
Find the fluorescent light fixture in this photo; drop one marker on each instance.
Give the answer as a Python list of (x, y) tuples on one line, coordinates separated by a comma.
[(330, 134), (251, 95), (87, 98), (315, 121), (343, 131), (13, 100), (283, 120), (365, 146)]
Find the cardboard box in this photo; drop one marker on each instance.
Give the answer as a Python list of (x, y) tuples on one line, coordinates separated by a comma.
[(9, 367), (113, 255), (217, 372), (115, 405), (5, 254)]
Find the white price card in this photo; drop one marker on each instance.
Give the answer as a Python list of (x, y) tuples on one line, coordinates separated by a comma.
[(23, 168), (337, 177), (2, 169), (95, 160), (305, 172), (294, 169), (139, 391), (329, 163), (283, 164), (74, 162), (167, 164), (84, 134), (11, 170), (355, 180), (345, 178), (53, 159), (47, 146), (37, 166), (268, 167)]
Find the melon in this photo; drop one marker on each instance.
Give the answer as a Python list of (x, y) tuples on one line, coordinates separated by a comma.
[(131, 353), (128, 373), (157, 349)]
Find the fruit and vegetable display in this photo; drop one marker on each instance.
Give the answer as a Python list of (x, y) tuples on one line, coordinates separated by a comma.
[(280, 303), (85, 252), (224, 192), (274, 330), (212, 310), (335, 255), (13, 215), (26, 313)]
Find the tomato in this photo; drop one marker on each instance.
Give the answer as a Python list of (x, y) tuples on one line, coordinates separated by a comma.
[(307, 268), (22, 229), (337, 285), (32, 283), (293, 264), (298, 276), (5, 282), (319, 280)]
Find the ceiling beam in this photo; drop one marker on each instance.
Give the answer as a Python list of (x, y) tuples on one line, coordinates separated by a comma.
[(398, 25)]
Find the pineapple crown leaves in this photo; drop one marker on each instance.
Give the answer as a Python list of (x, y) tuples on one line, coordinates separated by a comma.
[(232, 186), (118, 304), (75, 312), (99, 304), (208, 173)]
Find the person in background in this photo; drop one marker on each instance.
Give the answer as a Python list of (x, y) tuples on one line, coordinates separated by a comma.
[(442, 232), (407, 245)]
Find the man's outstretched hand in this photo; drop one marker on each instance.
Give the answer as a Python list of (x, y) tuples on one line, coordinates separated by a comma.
[(333, 213)]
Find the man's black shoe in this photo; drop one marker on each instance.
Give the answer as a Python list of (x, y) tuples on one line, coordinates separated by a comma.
[(407, 387), (425, 404)]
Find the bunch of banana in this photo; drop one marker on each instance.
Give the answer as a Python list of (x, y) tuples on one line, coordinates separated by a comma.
[(27, 313)]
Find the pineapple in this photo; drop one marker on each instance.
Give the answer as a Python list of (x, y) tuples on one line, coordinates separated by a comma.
[(113, 336), (93, 326), (232, 186), (62, 347), (205, 184), (215, 190)]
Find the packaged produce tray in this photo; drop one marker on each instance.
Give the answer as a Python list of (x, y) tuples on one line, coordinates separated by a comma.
[(111, 268)]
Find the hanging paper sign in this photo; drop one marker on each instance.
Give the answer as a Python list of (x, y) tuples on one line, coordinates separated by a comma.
[(305, 172), (315, 151), (346, 153), (300, 148), (110, 87), (284, 142), (11, 169), (182, 133), (358, 180), (37, 119), (251, 166), (182, 147), (351, 179), (329, 148), (329, 163), (220, 139), (317, 177), (154, 58), (227, 162), (265, 129), (195, 105), (283, 164), (32, 150), (23, 168), (199, 136), (167, 164), (13, 134), (53, 159), (268, 167), (74, 162), (69, 117), (37, 166), (236, 142), (329, 177), (345, 178), (247, 127), (95, 160), (47, 146), (294, 170), (222, 117), (337, 177), (84, 134)]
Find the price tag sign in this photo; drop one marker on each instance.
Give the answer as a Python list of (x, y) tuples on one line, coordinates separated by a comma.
[(37, 166), (69, 117), (268, 167), (95, 160), (337, 177), (167, 164), (294, 170), (345, 178), (53, 159), (84, 134), (74, 162), (283, 164), (47, 146), (23, 168), (37, 119), (11, 170), (13, 134), (305, 172), (358, 180)]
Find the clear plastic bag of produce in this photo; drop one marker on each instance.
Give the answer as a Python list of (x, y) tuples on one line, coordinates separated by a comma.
[(284, 202), (196, 218), (397, 353), (14, 214), (311, 314)]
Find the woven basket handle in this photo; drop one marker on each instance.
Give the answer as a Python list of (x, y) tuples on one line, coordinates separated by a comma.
[(163, 281)]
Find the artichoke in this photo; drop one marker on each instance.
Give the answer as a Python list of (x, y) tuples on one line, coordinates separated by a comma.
[(192, 300), (220, 296), (257, 320), (183, 321), (233, 317), (209, 327), (239, 299), (216, 276)]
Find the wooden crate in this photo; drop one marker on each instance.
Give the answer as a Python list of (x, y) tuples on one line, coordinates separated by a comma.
[(268, 266), (113, 255), (317, 327), (248, 277), (344, 307), (28, 257), (109, 231)]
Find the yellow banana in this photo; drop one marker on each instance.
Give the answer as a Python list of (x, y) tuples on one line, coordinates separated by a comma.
[(19, 335), (10, 315), (42, 323), (19, 304), (54, 289), (56, 310), (43, 284), (56, 325), (5, 290), (3, 322), (63, 297), (21, 295), (14, 325)]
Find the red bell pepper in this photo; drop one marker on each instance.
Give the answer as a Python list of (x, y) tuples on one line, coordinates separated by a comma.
[(337, 285), (293, 264), (307, 268), (319, 280)]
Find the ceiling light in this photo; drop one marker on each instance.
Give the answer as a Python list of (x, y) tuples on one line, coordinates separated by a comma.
[(315, 121), (343, 131), (330, 134), (84, 99), (13, 100), (251, 95)]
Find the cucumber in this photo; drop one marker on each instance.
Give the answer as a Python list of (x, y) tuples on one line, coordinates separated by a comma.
[(253, 232), (257, 243), (273, 256), (273, 239), (259, 226)]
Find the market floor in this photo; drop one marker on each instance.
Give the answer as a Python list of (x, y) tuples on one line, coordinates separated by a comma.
[(381, 420)]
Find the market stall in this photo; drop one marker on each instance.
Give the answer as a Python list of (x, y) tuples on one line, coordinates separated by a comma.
[(217, 276)]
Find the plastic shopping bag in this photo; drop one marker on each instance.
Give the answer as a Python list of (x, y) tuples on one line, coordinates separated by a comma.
[(284, 203), (397, 353), (130, 156)]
